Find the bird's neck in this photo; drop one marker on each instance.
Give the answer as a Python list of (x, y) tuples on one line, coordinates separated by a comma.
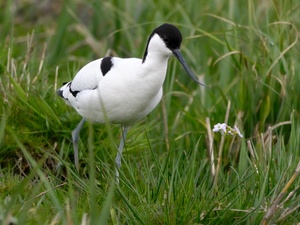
[(156, 67), (156, 59)]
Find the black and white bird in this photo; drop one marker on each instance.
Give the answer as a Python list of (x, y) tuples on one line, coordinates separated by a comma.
[(123, 90)]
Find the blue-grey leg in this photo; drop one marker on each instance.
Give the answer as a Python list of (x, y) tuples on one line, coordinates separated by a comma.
[(120, 149), (75, 138)]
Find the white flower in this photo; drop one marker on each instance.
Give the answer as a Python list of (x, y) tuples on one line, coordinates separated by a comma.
[(227, 130), (237, 131), (220, 128)]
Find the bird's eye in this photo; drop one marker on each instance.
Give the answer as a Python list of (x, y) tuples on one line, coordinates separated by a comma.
[(165, 38)]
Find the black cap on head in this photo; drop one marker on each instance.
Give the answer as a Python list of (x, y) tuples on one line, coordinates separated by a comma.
[(170, 35)]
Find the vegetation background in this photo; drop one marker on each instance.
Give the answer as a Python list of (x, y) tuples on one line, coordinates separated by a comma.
[(175, 170)]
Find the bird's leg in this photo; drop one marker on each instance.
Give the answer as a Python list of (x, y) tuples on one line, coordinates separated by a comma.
[(75, 138), (120, 149)]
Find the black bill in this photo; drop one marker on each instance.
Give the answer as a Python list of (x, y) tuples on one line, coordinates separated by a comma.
[(178, 55)]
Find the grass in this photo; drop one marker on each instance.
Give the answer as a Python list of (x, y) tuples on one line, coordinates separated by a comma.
[(175, 170)]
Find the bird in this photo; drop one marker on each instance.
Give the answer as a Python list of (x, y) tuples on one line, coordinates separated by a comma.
[(123, 90)]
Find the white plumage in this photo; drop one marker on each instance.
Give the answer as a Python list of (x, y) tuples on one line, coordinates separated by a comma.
[(123, 91)]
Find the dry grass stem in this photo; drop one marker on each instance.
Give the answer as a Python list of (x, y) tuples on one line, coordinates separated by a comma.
[(219, 159), (274, 206), (165, 123), (210, 147)]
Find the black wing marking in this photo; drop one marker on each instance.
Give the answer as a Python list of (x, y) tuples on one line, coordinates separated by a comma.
[(74, 93), (106, 65)]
